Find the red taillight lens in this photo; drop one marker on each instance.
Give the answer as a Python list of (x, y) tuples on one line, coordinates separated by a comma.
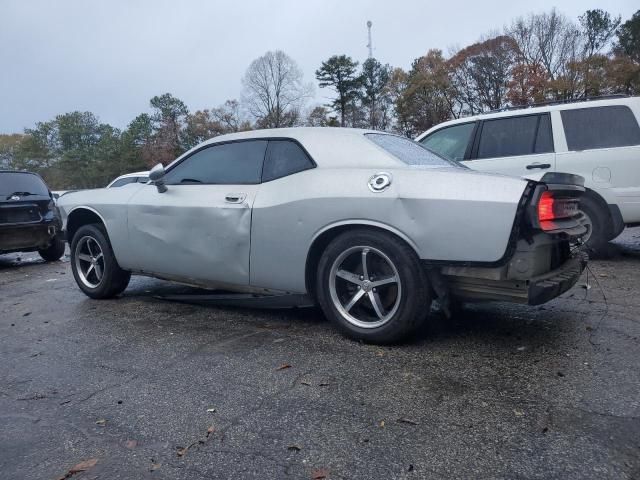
[(554, 208), (545, 207)]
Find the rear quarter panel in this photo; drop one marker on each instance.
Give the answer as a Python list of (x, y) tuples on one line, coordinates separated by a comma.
[(444, 214)]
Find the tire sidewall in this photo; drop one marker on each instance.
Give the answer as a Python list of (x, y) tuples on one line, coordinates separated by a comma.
[(415, 298), (105, 288), (599, 224)]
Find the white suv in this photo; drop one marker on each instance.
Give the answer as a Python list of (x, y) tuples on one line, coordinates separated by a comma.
[(596, 139)]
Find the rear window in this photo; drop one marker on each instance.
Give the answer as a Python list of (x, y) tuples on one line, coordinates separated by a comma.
[(21, 183), (600, 127), (408, 151)]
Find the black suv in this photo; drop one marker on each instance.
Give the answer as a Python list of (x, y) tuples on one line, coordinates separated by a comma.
[(29, 218)]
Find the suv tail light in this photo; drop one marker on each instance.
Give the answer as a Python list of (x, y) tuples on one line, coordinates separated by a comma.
[(552, 207)]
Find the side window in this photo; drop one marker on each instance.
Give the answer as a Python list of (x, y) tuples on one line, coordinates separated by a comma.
[(544, 139), (225, 164), (514, 136), (450, 142), (123, 181), (284, 157), (600, 127)]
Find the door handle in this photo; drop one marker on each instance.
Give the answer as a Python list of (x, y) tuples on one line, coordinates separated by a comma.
[(538, 165), (235, 197)]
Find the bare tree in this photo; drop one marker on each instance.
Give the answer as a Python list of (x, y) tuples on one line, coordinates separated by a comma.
[(274, 90)]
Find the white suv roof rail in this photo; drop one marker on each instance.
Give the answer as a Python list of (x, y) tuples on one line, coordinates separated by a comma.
[(559, 102)]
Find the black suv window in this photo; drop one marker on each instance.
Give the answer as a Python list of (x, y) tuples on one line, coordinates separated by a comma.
[(284, 157), (225, 164), (512, 136), (21, 183), (450, 142), (600, 127)]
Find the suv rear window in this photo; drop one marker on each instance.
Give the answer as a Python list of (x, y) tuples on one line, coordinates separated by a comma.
[(600, 127), (408, 151), (23, 183)]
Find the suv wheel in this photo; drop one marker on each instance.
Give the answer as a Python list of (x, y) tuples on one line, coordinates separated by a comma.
[(372, 286), (598, 225), (93, 264), (55, 251)]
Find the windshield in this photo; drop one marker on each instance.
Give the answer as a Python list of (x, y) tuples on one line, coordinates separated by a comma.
[(408, 151), (22, 184)]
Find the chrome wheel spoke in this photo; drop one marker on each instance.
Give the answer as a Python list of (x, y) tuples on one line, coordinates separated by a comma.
[(89, 270), (365, 270), (348, 276), (359, 294), (385, 281), (89, 248), (98, 270), (84, 257), (376, 303)]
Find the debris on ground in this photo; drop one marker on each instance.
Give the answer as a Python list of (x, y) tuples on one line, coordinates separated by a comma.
[(79, 468), (181, 451), (283, 366)]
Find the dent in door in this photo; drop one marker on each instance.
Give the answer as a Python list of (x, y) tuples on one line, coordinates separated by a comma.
[(200, 240)]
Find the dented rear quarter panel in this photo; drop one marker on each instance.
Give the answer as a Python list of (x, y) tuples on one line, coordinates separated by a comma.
[(445, 214)]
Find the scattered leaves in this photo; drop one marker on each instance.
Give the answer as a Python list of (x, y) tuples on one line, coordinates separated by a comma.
[(80, 467), (382, 424), (320, 474), (154, 466), (211, 410), (284, 366), (294, 448), (518, 413), (304, 382), (181, 451), (407, 420), (131, 444), (102, 422)]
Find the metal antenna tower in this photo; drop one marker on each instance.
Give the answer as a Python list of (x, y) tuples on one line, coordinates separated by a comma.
[(370, 44)]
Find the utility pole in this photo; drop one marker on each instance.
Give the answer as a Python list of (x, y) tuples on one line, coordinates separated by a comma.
[(370, 44)]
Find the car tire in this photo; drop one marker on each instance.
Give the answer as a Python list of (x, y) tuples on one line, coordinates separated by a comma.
[(598, 223), (370, 310), (93, 264), (55, 251)]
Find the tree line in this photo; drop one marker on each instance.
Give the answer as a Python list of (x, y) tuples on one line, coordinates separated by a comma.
[(537, 58)]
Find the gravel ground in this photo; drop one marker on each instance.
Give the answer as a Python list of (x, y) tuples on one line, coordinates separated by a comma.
[(152, 389)]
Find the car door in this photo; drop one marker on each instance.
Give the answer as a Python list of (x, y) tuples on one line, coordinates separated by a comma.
[(199, 229), (514, 145)]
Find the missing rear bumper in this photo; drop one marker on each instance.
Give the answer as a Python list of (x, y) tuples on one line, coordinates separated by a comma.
[(535, 291)]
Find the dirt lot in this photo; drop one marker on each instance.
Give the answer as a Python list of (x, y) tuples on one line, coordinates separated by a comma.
[(153, 389)]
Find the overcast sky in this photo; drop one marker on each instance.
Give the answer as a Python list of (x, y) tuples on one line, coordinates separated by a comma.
[(111, 57)]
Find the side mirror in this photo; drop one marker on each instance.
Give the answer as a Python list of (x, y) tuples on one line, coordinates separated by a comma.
[(156, 175)]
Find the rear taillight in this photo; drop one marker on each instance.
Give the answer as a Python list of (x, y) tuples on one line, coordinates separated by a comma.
[(551, 207)]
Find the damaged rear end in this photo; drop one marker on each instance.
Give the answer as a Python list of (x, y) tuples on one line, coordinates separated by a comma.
[(543, 258)]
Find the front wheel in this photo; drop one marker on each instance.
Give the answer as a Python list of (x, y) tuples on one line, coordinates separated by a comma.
[(371, 285), (55, 251), (93, 264)]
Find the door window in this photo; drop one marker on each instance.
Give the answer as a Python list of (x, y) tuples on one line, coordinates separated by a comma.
[(450, 142), (225, 164), (123, 181), (515, 136), (600, 127), (284, 157)]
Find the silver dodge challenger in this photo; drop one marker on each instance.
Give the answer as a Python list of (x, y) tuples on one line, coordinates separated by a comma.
[(370, 226)]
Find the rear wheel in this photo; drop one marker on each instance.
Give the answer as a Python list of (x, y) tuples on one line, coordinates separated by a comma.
[(55, 251), (598, 223), (371, 286), (93, 264)]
